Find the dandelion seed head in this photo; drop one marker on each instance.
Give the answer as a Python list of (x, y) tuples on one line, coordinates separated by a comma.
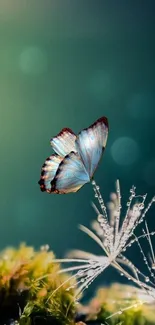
[(114, 234)]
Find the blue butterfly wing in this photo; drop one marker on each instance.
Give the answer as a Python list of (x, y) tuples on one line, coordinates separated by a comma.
[(49, 169), (70, 176), (90, 144), (64, 142)]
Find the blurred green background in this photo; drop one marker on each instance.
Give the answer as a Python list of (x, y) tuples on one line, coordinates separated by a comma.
[(64, 64)]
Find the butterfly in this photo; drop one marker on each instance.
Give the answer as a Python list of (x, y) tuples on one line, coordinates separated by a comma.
[(76, 158)]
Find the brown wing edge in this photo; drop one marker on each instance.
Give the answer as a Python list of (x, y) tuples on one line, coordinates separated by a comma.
[(102, 119), (64, 130), (41, 181)]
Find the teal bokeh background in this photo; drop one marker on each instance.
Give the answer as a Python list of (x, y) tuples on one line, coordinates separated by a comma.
[(64, 64)]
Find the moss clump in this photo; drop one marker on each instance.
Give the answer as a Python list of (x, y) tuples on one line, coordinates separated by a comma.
[(31, 293), (28, 283), (114, 299)]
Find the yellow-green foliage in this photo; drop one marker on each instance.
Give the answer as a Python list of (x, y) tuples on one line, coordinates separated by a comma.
[(115, 298), (27, 270)]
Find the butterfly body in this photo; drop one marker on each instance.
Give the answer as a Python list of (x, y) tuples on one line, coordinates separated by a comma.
[(76, 158)]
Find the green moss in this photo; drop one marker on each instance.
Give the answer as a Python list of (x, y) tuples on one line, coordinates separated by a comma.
[(114, 299), (29, 282), (29, 279)]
